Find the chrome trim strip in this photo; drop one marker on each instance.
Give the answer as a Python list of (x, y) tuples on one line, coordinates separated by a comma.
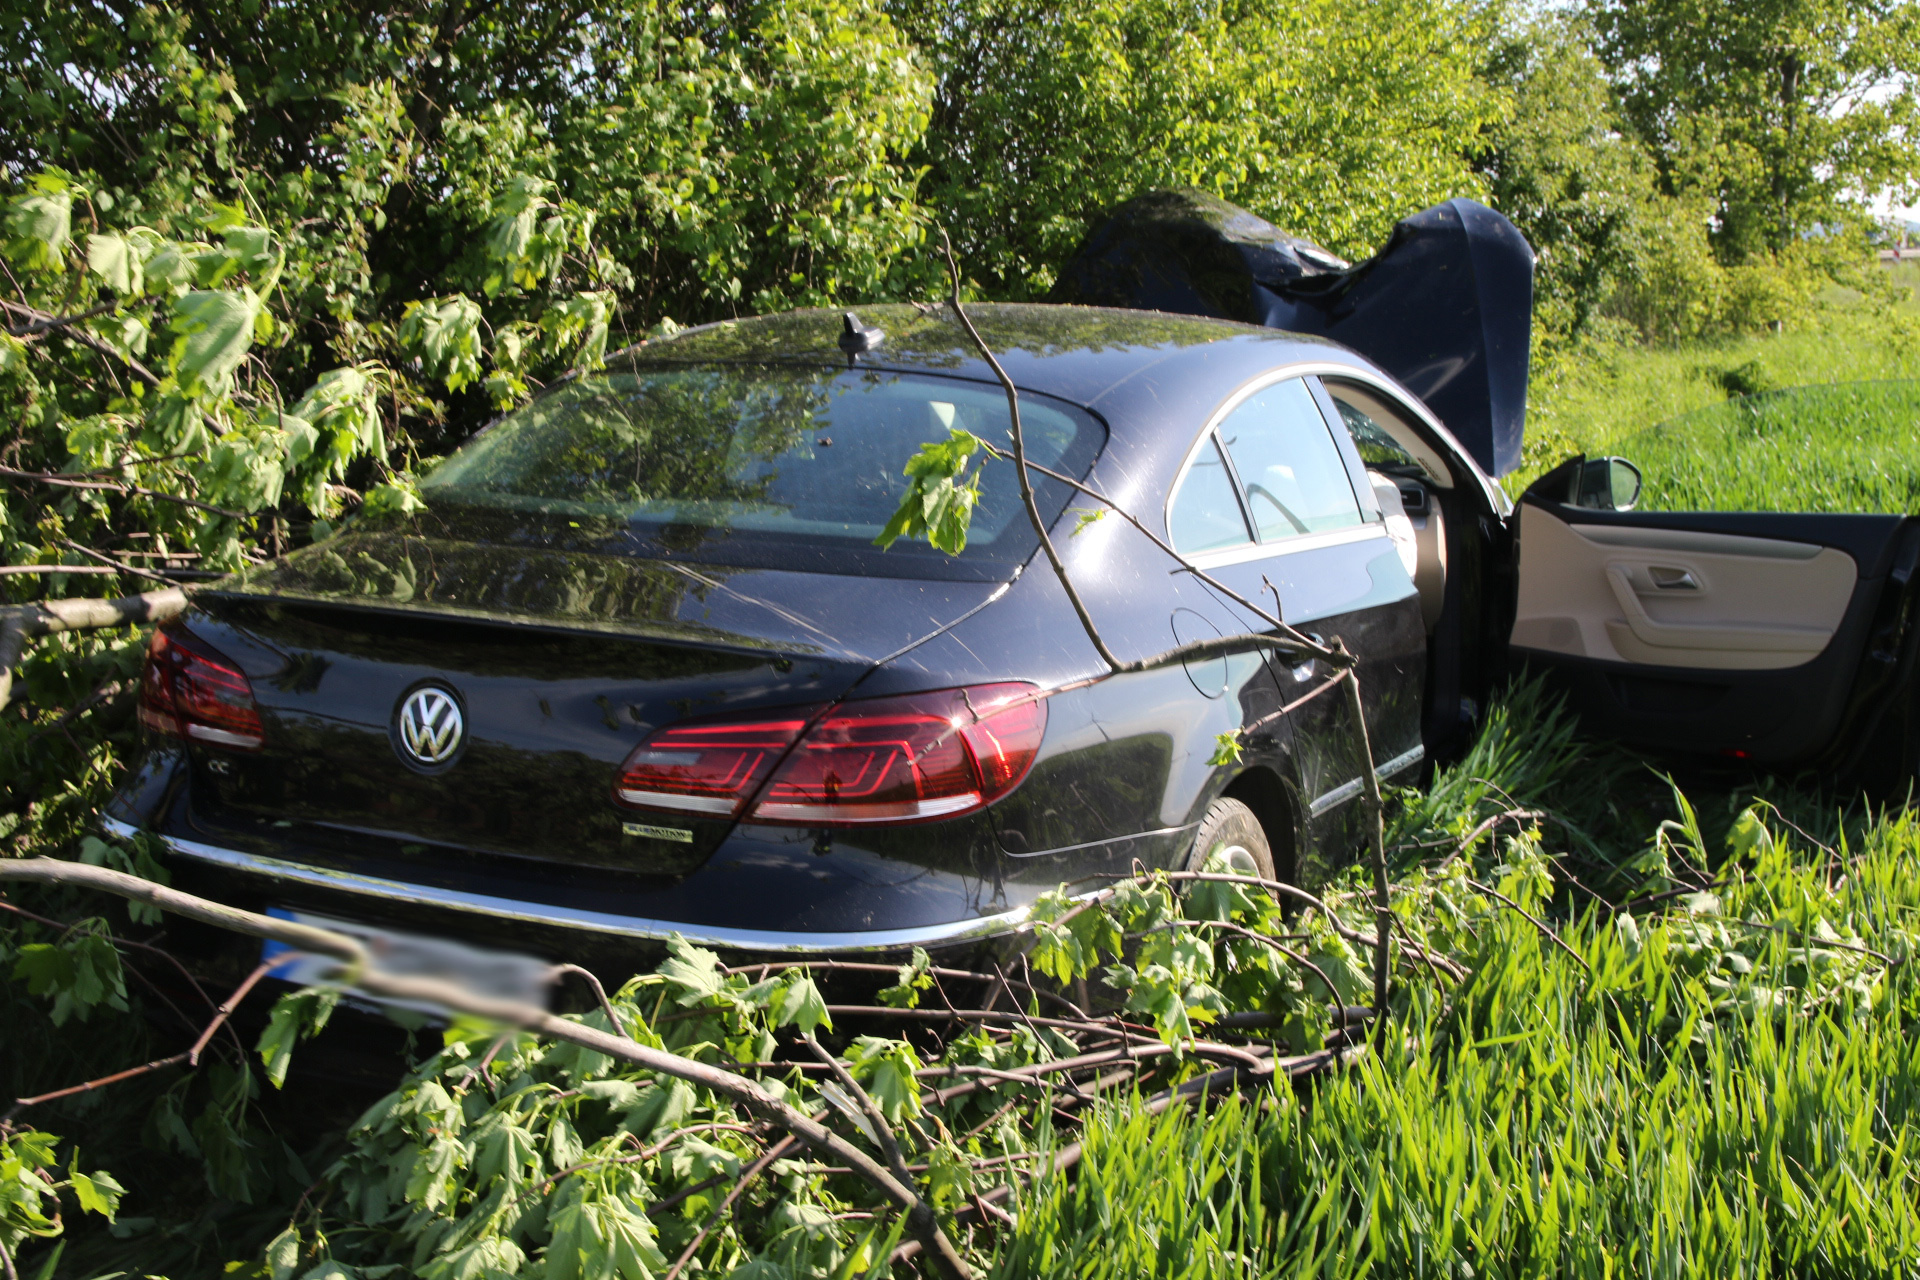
[(1348, 790), (1334, 798), (394, 891), (1095, 844), (1405, 760), (1245, 551)]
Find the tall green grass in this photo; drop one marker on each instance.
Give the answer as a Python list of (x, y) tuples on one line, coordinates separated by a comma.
[(1594, 400), (1729, 1085), (1837, 448)]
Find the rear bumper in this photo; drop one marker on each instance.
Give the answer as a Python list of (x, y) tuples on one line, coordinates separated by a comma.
[(392, 896)]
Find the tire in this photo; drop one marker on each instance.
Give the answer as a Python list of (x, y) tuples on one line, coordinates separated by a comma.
[(1231, 827)]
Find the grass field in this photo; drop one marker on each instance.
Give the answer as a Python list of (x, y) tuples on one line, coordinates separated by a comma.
[(1721, 426), (1720, 1084)]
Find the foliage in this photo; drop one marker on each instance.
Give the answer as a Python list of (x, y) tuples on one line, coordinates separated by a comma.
[(1330, 120), (31, 1183), (1781, 116), (1725, 1089)]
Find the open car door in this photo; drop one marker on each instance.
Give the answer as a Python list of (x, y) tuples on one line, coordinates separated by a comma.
[(1780, 638)]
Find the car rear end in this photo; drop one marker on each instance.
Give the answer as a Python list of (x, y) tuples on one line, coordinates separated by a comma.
[(606, 689)]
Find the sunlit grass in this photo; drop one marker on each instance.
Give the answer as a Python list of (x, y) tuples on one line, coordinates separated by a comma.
[(1838, 448), (1727, 1086)]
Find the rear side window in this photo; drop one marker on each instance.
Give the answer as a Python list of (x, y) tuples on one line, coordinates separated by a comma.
[(1288, 464), (1205, 514), (779, 466)]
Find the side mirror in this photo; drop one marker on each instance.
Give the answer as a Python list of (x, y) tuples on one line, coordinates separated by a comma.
[(1605, 484)]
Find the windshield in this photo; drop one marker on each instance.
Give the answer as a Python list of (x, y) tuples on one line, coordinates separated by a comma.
[(777, 466)]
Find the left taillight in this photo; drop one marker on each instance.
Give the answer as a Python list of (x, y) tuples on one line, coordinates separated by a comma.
[(189, 691), (866, 762)]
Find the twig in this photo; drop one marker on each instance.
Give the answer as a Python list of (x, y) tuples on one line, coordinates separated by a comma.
[(1534, 920), (746, 1178), (600, 993), (356, 970), (7, 570), (1027, 499), (106, 691), (116, 565), (191, 1056), (1274, 618), (882, 1131), (1804, 940), (124, 490), (1468, 841), (1265, 940), (1377, 837), (85, 339)]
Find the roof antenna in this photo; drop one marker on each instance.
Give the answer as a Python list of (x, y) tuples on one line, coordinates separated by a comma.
[(857, 339)]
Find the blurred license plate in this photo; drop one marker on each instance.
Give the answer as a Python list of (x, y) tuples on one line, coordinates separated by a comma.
[(499, 975)]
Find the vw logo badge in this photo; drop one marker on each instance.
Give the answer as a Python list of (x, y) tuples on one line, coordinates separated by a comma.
[(429, 728)]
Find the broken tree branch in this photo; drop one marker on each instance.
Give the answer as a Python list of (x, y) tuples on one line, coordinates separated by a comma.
[(21, 623), (356, 971)]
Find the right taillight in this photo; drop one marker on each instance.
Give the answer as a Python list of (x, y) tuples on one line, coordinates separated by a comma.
[(867, 762), (188, 691)]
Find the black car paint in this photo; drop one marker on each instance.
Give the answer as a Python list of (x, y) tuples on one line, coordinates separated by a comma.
[(560, 682)]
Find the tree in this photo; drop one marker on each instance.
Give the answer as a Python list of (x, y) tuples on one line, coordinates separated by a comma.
[(1789, 115), (1332, 120)]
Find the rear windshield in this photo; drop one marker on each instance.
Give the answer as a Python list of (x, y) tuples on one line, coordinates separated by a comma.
[(777, 466)]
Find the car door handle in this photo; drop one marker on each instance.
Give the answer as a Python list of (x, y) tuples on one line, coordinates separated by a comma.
[(1666, 578), (1684, 635)]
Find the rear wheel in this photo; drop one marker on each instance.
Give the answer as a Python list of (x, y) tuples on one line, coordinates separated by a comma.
[(1230, 829)]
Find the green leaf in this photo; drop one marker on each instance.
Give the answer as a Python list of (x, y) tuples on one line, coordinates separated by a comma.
[(937, 505), (798, 1002), (694, 970), (445, 335), (215, 328), (664, 1106), (97, 1192), (598, 1235), (283, 1254), (40, 223), (886, 1068), (912, 978), (296, 1016), (1227, 749), (112, 259)]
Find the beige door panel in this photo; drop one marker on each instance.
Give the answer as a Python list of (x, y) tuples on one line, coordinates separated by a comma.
[(1674, 598)]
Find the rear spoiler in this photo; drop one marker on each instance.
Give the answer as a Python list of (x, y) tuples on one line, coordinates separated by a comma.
[(1446, 307)]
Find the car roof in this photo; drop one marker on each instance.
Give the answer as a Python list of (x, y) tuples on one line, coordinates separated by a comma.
[(1081, 354), (1154, 377)]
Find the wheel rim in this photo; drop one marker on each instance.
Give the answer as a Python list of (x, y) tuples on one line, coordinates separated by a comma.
[(1238, 859)]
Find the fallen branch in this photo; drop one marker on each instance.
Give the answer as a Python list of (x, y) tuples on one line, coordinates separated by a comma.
[(124, 490), (1535, 921), (48, 322), (357, 972), (191, 1056), (21, 623)]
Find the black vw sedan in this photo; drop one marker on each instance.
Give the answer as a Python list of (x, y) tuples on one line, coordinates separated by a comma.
[(639, 667)]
